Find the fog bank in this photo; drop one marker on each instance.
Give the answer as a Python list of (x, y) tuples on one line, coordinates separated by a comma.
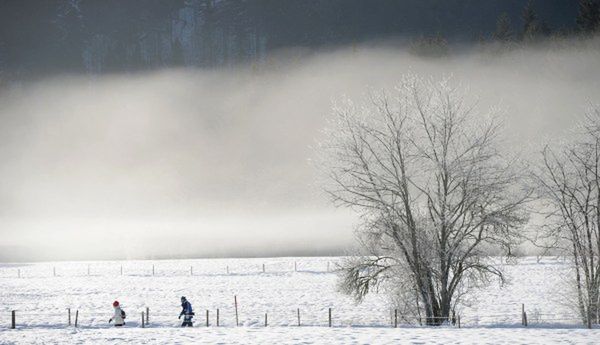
[(193, 163)]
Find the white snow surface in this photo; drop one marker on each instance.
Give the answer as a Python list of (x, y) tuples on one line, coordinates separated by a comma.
[(41, 297)]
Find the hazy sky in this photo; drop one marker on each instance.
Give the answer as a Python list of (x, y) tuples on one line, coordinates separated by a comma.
[(200, 163)]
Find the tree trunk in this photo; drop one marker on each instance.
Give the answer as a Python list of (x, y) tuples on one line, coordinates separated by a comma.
[(593, 304), (434, 311)]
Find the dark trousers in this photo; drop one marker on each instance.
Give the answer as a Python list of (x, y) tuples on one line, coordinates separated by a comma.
[(187, 321)]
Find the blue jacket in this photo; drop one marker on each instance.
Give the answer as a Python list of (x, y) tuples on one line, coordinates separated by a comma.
[(186, 308)]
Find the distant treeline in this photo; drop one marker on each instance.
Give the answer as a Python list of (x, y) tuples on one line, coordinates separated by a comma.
[(39, 38)]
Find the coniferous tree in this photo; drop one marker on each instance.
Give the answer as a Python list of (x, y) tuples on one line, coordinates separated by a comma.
[(72, 33), (177, 58), (530, 22), (545, 29), (588, 19), (503, 31)]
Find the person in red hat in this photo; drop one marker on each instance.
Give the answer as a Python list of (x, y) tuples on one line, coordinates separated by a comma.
[(119, 316)]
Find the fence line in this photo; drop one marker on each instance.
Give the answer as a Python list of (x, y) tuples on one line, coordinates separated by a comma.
[(153, 269), (279, 317), (329, 317)]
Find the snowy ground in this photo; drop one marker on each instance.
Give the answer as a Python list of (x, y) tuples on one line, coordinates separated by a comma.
[(303, 335), (41, 300)]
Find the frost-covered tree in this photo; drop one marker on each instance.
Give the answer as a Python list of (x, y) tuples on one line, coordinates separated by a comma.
[(569, 184), (423, 169)]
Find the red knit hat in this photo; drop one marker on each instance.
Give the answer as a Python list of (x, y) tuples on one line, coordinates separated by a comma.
[(115, 303)]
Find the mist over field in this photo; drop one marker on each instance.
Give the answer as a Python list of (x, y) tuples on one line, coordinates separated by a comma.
[(194, 162)]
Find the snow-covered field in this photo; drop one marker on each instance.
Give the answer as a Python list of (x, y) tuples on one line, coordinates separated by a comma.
[(41, 298)]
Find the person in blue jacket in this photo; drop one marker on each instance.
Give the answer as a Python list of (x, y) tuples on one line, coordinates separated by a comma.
[(186, 312)]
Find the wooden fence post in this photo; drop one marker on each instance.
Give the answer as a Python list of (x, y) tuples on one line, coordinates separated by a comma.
[(458, 320), (329, 317), (147, 315), (152, 269), (69, 315), (13, 323), (76, 317), (143, 320), (217, 317), (265, 319), (237, 321), (121, 269), (395, 318), (54, 271), (327, 266), (191, 270), (522, 314), (295, 267), (298, 310), (207, 323)]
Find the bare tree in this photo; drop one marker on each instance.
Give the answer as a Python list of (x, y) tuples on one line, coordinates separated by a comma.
[(569, 185), (424, 171)]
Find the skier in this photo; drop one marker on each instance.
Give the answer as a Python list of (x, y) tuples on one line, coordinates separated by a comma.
[(186, 311), (119, 316)]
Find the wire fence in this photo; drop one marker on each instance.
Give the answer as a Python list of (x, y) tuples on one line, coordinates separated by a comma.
[(274, 317), (144, 269), (228, 314)]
